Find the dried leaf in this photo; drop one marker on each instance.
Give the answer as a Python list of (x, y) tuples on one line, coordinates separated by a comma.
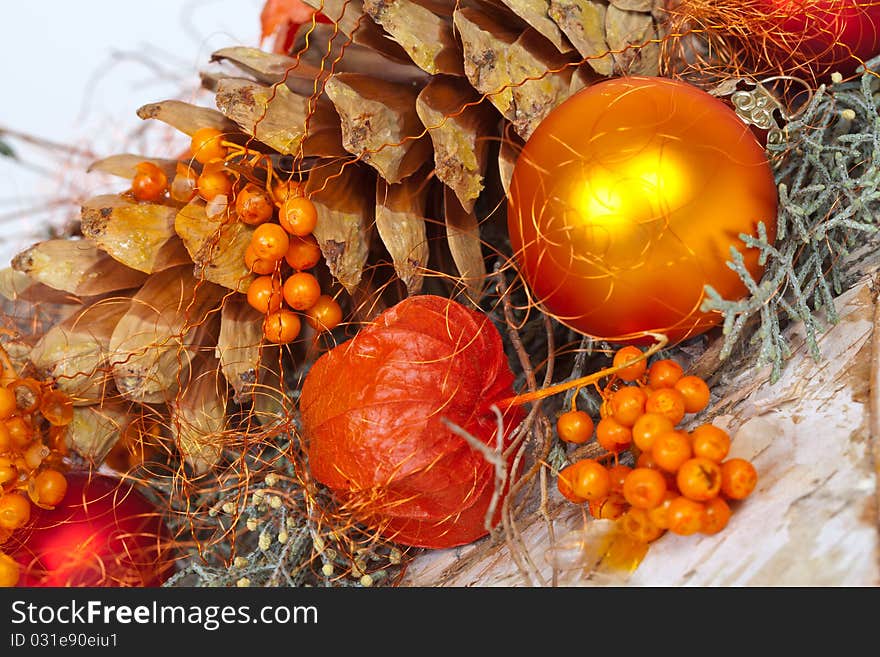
[(217, 249), (425, 36), (74, 353), (511, 146), (355, 26), (343, 195), (152, 345), (124, 165), (198, 416), (380, 124), (400, 220), (278, 117), (95, 429), (271, 406), (463, 234), (185, 117), (139, 235), (76, 266), (460, 128)]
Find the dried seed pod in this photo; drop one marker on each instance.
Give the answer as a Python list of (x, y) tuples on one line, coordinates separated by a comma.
[(277, 117), (380, 123), (95, 429), (343, 196), (217, 249), (124, 165), (424, 30), (74, 353), (239, 346), (198, 415), (152, 345), (77, 267), (460, 126), (139, 235), (463, 234), (400, 221), (186, 117)]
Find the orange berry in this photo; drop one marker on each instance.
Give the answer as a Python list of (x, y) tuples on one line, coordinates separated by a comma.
[(636, 524), (695, 393), (685, 516), (7, 403), (303, 252), (608, 508), (10, 571), (257, 265), (183, 187), (57, 408), (565, 483), (574, 427), (301, 290), (20, 431), (285, 189), (738, 479), (659, 515), (646, 460), (264, 294), (710, 442), (648, 427), (668, 402), (205, 145), (671, 449), (716, 515), (48, 488), (618, 474), (298, 216), (325, 315), (15, 511), (8, 471), (699, 479), (664, 373), (149, 182), (214, 181), (631, 372), (270, 242), (644, 488), (253, 205), (612, 435), (628, 404), (589, 479), (281, 327)]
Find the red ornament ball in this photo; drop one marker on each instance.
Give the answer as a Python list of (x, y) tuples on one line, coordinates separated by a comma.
[(821, 35), (625, 203), (103, 534)]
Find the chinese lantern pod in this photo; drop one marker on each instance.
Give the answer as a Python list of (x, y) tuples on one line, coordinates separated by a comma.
[(375, 412)]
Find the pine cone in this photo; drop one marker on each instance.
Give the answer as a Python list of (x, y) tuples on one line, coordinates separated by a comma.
[(403, 119)]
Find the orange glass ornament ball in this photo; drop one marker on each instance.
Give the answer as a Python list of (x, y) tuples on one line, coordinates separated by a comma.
[(625, 203)]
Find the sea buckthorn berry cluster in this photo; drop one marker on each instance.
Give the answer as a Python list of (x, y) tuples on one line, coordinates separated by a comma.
[(282, 251), (33, 420), (683, 481), (274, 247)]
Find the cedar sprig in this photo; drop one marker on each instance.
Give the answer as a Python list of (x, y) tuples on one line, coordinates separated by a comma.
[(829, 205)]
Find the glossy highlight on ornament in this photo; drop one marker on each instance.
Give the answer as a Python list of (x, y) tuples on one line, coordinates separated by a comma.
[(103, 534), (626, 201)]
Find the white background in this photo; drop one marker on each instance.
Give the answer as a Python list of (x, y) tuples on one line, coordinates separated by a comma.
[(75, 72)]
